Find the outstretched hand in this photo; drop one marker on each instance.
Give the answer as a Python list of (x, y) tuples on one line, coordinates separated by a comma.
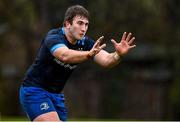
[(97, 47), (125, 44)]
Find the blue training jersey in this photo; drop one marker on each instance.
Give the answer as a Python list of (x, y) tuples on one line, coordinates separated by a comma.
[(48, 72)]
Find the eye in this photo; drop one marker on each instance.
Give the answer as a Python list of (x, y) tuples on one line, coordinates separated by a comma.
[(86, 24), (80, 22)]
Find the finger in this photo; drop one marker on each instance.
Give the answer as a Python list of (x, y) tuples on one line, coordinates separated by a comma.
[(102, 46), (96, 43), (113, 41), (132, 46), (124, 36), (100, 39), (95, 50), (128, 37), (131, 41)]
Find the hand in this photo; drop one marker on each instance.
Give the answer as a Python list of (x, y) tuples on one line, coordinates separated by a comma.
[(125, 44), (97, 47)]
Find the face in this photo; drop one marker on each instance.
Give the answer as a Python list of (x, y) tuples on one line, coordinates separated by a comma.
[(78, 28)]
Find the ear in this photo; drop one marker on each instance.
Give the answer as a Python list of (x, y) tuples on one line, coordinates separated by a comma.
[(67, 24)]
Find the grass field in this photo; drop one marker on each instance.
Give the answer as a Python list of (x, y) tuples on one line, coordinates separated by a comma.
[(12, 118), (24, 119)]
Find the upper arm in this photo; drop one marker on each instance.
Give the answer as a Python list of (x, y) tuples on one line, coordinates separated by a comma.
[(56, 45), (60, 52)]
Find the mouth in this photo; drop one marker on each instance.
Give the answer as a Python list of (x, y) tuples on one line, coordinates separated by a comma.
[(81, 35)]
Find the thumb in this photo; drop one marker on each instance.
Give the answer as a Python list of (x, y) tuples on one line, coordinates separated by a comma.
[(114, 42)]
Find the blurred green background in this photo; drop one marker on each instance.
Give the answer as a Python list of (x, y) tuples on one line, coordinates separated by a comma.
[(144, 86)]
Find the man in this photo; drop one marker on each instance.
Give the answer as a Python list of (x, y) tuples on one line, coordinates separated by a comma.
[(60, 52)]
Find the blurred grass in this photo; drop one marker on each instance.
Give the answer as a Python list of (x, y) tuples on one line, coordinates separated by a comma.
[(25, 119), (13, 118)]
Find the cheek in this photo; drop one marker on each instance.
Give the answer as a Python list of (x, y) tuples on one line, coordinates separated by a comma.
[(77, 28), (73, 29)]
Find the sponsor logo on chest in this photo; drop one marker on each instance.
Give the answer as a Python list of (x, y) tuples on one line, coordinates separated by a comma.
[(64, 64)]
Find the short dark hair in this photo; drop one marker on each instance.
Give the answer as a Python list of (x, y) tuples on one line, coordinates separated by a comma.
[(73, 11)]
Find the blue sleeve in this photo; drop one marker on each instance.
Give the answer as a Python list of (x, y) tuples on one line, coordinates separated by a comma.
[(54, 42)]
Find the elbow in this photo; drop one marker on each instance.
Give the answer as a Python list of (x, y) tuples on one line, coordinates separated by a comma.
[(62, 56), (104, 63), (64, 59), (107, 65)]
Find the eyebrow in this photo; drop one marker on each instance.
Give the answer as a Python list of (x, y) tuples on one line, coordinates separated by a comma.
[(83, 21)]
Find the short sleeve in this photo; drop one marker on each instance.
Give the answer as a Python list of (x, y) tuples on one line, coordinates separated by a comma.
[(54, 42)]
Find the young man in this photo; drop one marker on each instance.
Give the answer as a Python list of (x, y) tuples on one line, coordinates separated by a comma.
[(59, 54)]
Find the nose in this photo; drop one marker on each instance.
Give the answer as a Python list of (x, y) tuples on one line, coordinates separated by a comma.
[(84, 28)]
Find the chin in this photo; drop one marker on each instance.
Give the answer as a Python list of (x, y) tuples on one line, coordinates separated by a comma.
[(79, 38)]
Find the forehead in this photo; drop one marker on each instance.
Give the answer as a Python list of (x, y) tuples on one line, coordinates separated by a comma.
[(81, 18)]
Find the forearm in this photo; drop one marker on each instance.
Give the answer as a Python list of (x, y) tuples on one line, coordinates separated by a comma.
[(112, 59), (106, 59), (72, 56)]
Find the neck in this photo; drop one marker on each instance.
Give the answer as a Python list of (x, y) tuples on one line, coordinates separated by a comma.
[(70, 39)]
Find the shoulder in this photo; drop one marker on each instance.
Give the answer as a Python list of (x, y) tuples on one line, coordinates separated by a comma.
[(55, 31), (89, 40), (54, 37), (54, 34)]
